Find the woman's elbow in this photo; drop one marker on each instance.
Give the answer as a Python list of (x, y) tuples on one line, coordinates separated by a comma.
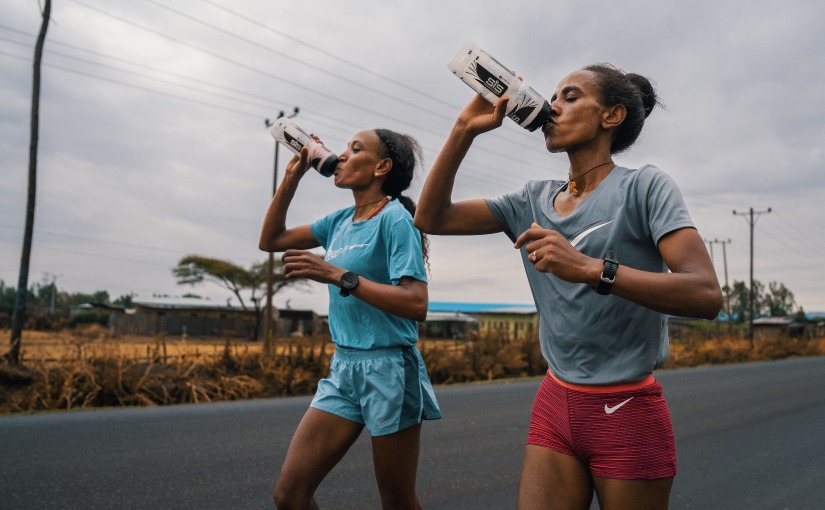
[(420, 314), (265, 245), (710, 304), (418, 309), (423, 224)]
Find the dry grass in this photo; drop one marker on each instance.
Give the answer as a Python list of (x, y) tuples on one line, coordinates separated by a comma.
[(96, 341), (698, 352), (91, 368)]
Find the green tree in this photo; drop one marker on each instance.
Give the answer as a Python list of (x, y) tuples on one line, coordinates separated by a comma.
[(80, 298), (7, 296), (778, 301), (196, 269), (125, 300), (740, 301)]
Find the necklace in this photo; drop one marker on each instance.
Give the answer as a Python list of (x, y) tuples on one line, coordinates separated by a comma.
[(375, 210), (571, 183), (378, 205), (370, 203)]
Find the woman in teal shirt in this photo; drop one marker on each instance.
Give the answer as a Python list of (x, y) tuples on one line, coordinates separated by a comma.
[(374, 266)]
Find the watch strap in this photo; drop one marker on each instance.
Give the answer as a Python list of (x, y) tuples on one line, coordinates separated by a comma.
[(608, 275)]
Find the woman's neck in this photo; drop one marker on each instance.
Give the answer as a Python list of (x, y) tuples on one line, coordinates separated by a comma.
[(367, 204), (588, 170)]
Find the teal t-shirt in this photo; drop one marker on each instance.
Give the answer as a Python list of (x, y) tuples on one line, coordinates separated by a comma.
[(382, 249)]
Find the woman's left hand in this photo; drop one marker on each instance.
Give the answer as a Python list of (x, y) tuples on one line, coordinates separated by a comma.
[(551, 252), (306, 264)]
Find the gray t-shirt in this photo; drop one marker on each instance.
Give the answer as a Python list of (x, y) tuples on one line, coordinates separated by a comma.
[(585, 337)]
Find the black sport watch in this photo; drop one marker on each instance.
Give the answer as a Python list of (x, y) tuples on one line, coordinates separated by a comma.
[(608, 275), (348, 283)]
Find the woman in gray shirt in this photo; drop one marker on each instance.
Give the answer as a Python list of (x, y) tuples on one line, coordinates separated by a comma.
[(609, 253)]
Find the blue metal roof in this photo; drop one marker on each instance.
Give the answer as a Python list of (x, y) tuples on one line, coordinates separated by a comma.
[(450, 306)]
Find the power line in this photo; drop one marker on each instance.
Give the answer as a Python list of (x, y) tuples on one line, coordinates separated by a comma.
[(495, 177), (497, 171), (805, 238), (359, 67), (278, 78), (299, 61), (790, 247), (254, 69), (98, 240), (160, 80), (97, 256), (330, 54)]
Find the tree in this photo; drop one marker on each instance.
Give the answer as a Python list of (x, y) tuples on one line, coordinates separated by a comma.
[(195, 269), (779, 301), (125, 300), (80, 298), (740, 300)]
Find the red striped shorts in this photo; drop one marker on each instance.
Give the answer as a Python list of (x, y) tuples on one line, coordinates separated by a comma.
[(621, 431)]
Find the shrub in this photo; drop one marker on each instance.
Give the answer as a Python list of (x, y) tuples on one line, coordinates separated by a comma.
[(84, 318)]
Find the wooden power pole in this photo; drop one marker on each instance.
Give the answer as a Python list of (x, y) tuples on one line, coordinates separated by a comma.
[(19, 315)]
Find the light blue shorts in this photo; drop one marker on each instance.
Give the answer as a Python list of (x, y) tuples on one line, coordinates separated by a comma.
[(387, 389)]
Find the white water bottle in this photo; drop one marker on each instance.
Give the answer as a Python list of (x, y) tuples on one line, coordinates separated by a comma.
[(488, 77), (295, 139)]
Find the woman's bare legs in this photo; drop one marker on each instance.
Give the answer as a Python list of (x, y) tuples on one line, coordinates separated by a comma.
[(633, 494), (550, 479), (396, 464), (319, 443), (553, 480)]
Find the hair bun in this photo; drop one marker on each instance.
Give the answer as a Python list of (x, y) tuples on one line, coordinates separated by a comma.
[(649, 99)]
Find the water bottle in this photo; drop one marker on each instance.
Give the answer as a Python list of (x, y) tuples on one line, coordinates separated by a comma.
[(488, 77), (295, 139)]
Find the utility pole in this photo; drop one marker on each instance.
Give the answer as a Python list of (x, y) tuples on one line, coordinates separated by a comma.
[(270, 265), (727, 286), (19, 315), (53, 282), (710, 250), (751, 216), (713, 263)]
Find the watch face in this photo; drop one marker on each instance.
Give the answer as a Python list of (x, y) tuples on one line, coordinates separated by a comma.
[(349, 280)]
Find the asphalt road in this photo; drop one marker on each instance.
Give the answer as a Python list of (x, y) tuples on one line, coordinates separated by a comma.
[(749, 436)]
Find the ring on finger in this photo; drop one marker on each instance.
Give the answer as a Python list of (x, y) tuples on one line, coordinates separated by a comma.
[(533, 257)]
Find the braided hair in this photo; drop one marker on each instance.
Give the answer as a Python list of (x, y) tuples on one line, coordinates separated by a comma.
[(634, 92), (405, 153)]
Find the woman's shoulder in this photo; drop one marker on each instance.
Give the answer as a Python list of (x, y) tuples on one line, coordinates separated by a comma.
[(395, 211), (539, 187), (647, 174), (337, 216)]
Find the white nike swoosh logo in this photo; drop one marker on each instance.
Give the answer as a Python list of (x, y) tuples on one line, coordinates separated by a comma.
[(587, 232), (611, 410)]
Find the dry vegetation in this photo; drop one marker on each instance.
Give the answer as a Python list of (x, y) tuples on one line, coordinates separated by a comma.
[(91, 368)]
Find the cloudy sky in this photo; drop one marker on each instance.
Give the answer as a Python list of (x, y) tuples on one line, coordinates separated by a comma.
[(153, 144)]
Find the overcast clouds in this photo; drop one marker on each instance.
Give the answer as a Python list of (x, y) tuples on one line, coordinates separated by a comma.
[(153, 145)]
